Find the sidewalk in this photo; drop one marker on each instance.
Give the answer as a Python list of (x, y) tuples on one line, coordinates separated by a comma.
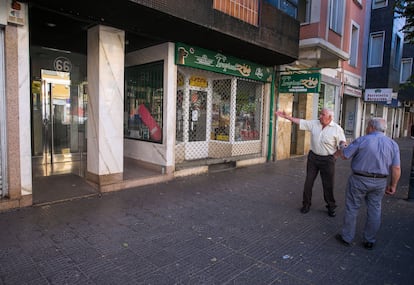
[(234, 227)]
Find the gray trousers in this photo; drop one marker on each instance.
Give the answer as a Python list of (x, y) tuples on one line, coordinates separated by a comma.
[(360, 189)]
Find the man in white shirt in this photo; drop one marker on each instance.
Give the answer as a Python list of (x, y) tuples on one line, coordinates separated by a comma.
[(326, 138)]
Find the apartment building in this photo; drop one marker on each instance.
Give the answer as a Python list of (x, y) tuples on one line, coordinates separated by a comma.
[(406, 91), (332, 58), (385, 42), (127, 93)]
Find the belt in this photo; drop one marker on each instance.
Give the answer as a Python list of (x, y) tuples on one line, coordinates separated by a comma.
[(371, 175)]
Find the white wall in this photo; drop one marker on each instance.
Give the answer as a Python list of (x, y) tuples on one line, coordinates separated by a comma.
[(161, 154)]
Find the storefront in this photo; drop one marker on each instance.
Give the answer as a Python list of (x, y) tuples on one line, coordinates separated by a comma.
[(217, 107), (351, 107), (383, 103)]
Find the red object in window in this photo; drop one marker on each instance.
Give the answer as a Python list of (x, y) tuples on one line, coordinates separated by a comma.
[(15, 5), (154, 129)]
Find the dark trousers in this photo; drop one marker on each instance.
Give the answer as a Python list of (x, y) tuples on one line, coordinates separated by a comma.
[(326, 166)]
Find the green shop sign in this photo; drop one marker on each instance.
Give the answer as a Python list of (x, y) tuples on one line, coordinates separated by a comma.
[(213, 61), (300, 83)]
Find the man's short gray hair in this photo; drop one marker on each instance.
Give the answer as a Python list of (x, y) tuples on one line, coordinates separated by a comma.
[(378, 124), (329, 111)]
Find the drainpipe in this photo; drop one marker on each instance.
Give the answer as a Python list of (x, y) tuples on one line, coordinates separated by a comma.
[(271, 115)]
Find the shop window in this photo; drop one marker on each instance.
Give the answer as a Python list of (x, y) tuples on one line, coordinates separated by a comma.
[(220, 117), (248, 110), (143, 102)]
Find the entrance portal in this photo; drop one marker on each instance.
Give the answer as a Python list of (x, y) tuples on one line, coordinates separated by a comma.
[(59, 124)]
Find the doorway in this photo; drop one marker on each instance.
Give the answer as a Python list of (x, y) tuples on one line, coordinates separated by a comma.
[(197, 125), (59, 115)]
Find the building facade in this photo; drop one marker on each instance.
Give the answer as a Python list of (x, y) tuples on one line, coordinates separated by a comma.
[(385, 43), (175, 87), (331, 54)]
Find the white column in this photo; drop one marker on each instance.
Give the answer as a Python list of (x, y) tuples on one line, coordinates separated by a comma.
[(106, 104), (24, 107)]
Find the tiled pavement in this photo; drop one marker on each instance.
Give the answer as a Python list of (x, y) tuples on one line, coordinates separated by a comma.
[(234, 227)]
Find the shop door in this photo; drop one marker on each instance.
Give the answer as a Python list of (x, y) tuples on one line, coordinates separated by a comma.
[(197, 146), (59, 120)]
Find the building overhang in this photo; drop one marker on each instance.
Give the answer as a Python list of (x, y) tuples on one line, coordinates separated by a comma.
[(148, 23), (317, 52)]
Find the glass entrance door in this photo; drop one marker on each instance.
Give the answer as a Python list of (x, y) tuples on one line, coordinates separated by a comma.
[(59, 125)]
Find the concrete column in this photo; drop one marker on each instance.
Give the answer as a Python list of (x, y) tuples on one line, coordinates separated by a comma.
[(106, 105)]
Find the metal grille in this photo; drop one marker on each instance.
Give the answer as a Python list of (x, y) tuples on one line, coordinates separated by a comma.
[(218, 116)]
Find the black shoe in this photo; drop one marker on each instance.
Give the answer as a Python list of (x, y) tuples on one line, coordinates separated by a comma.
[(341, 240), (369, 245), (304, 209), (331, 213)]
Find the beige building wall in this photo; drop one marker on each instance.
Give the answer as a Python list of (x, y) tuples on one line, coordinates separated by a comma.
[(305, 111), (284, 127)]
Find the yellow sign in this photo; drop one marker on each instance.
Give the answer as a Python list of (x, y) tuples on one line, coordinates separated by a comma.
[(198, 81)]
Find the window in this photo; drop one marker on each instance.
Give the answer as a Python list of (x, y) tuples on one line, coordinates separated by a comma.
[(326, 97), (245, 10), (336, 15), (248, 115), (290, 7), (406, 68), (379, 4), (353, 49), (304, 11), (220, 118), (248, 110), (143, 102), (397, 52), (376, 49)]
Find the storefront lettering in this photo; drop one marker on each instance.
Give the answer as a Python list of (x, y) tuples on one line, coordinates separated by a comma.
[(217, 62), (307, 83)]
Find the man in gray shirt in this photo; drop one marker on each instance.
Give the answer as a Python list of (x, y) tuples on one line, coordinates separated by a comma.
[(374, 157)]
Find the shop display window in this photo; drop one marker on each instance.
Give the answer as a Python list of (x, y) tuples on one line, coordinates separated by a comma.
[(220, 117), (248, 110), (144, 102)]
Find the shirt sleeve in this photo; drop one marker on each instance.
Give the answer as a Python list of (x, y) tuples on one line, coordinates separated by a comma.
[(396, 160), (341, 135), (305, 125)]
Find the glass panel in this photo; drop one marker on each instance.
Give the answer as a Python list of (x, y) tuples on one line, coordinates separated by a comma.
[(179, 117), (376, 45), (220, 118), (143, 102), (248, 110), (198, 116), (59, 111), (406, 66)]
